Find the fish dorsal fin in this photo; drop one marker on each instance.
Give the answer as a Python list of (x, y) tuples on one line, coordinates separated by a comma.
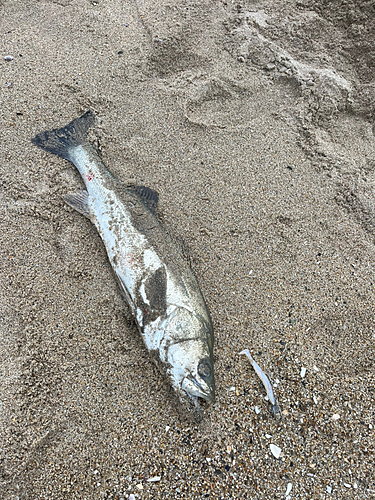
[(149, 197)]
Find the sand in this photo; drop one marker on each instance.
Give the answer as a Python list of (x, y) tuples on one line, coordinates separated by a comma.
[(255, 123)]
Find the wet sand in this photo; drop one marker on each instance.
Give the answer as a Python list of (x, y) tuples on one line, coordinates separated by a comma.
[(255, 123)]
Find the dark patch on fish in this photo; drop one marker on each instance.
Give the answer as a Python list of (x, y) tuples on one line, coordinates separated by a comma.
[(156, 293)]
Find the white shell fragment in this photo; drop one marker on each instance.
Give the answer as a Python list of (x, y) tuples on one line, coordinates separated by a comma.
[(315, 399), (336, 416), (288, 489), (139, 486), (153, 479), (8, 58), (131, 497), (257, 410), (329, 489), (275, 450), (303, 372), (267, 384)]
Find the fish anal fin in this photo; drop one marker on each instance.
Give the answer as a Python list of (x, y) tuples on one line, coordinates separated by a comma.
[(79, 201)]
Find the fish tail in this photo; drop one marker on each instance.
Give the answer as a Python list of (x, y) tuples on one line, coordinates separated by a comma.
[(61, 141)]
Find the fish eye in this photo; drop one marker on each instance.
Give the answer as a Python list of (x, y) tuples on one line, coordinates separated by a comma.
[(204, 368)]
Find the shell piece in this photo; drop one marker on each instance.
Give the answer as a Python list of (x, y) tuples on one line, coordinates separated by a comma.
[(275, 450), (267, 384)]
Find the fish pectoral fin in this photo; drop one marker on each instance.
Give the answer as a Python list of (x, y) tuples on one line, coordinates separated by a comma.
[(79, 201)]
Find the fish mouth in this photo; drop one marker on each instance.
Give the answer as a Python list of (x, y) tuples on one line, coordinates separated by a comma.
[(197, 387)]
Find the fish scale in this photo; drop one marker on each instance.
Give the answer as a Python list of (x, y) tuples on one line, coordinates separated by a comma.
[(159, 286)]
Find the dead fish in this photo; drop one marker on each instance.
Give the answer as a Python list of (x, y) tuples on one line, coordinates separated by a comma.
[(276, 412), (155, 278)]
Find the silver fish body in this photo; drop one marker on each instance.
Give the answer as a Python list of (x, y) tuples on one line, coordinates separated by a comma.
[(159, 286)]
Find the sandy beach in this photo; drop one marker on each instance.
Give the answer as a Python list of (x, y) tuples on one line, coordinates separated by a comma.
[(255, 123)]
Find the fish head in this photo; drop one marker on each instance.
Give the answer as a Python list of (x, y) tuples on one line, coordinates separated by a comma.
[(190, 355), (199, 381)]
